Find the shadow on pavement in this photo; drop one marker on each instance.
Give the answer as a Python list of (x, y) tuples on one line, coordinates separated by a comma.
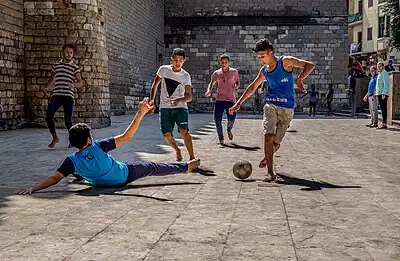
[(97, 191), (237, 146), (308, 185), (204, 172)]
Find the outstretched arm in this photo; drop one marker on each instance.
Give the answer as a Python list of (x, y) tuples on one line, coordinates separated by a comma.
[(50, 181), (144, 107), (248, 92)]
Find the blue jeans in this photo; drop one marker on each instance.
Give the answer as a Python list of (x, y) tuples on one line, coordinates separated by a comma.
[(137, 170), (220, 107), (55, 103)]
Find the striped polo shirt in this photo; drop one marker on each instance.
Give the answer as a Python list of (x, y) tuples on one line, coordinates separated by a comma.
[(64, 76)]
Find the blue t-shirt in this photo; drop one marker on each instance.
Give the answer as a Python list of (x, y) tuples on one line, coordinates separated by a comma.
[(280, 86), (372, 85), (95, 165)]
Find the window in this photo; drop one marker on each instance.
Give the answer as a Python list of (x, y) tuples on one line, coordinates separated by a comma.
[(387, 26), (360, 6), (369, 34), (359, 37), (381, 25), (370, 3)]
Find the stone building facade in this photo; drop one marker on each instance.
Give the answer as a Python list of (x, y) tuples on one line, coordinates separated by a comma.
[(311, 30), (121, 43)]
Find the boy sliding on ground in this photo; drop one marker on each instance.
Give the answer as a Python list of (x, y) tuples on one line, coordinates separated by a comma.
[(93, 163)]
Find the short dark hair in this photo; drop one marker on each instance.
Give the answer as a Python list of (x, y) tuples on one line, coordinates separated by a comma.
[(225, 56), (263, 45), (65, 46), (381, 63), (178, 52), (79, 134)]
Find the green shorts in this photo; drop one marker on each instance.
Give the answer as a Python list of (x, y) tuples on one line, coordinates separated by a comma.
[(168, 118)]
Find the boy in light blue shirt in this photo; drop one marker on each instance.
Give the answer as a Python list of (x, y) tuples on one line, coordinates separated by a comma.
[(382, 92), (93, 163)]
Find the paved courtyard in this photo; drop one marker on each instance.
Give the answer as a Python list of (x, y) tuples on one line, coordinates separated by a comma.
[(339, 199)]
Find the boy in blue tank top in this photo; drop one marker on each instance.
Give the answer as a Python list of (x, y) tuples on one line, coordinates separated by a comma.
[(93, 163), (280, 102)]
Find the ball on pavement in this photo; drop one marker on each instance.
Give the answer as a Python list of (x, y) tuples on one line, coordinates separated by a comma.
[(242, 169)]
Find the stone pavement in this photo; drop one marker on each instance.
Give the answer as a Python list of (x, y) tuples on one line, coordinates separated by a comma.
[(339, 198)]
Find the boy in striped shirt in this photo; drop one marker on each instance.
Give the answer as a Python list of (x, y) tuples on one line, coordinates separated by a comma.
[(65, 75)]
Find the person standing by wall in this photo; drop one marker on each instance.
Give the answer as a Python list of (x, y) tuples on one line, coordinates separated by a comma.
[(371, 98), (382, 92)]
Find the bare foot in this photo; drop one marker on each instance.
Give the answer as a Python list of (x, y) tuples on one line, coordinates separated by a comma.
[(270, 177), (263, 163), (53, 143), (193, 164), (230, 135), (178, 156)]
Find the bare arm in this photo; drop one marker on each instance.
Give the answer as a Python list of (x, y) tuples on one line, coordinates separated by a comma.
[(144, 107), (252, 87), (210, 87), (237, 84), (79, 81), (154, 87), (291, 62), (187, 96), (50, 181)]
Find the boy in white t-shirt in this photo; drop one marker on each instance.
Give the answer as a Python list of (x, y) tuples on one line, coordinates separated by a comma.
[(176, 92)]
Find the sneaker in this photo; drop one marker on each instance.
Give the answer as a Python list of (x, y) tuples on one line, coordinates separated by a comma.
[(270, 177), (369, 125), (230, 135), (382, 127)]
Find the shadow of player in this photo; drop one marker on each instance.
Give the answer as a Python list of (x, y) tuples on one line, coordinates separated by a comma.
[(116, 191), (308, 184), (204, 172), (237, 146)]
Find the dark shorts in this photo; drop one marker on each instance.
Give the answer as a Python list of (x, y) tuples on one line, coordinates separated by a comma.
[(168, 118)]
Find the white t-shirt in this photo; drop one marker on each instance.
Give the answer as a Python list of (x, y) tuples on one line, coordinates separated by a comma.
[(172, 86)]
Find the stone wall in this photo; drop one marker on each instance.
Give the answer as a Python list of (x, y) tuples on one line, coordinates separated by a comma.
[(135, 35), (50, 24), (11, 63), (314, 31), (204, 8)]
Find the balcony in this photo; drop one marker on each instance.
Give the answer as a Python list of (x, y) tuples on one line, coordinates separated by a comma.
[(354, 18)]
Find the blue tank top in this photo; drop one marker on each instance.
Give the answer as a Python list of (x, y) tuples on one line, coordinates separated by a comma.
[(280, 86), (98, 167)]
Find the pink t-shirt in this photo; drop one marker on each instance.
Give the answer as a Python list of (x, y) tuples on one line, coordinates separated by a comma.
[(226, 84)]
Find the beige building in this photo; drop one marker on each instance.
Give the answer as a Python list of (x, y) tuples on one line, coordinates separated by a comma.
[(369, 31)]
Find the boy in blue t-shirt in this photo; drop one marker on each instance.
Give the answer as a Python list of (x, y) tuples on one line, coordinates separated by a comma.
[(93, 163)]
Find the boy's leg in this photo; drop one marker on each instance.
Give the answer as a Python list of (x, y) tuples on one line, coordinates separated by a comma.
[(68, 106), (374, 112), (182, 120), (231, 119), (52, 108), (139, 170), (167, 127), (218, 114), (270, 120)]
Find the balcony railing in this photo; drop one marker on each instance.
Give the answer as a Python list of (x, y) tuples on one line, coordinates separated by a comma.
[(355, 17)]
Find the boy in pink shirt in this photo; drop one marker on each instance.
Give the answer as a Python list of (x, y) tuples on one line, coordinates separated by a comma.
[(228, 83)]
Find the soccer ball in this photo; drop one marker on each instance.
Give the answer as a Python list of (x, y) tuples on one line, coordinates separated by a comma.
[(242, 169)]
